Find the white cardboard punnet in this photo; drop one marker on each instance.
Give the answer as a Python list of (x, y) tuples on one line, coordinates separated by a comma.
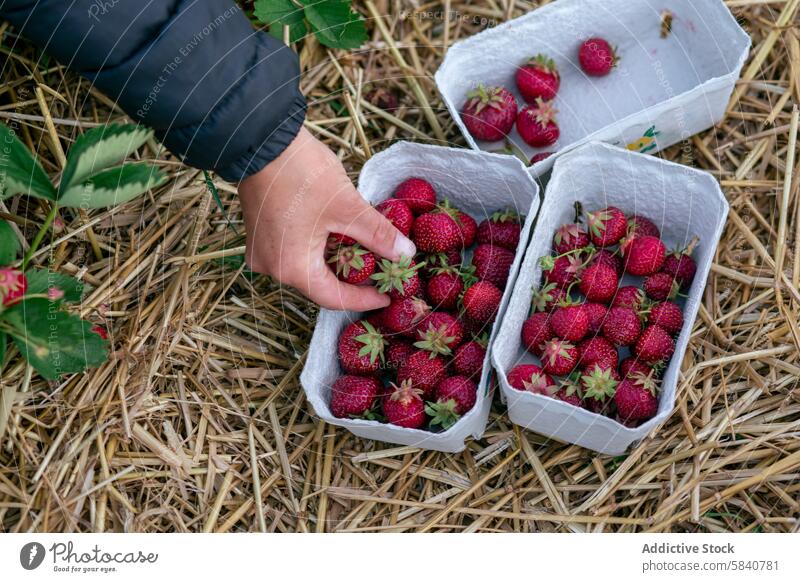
[(477, 183), (662, 90), (683, 202)]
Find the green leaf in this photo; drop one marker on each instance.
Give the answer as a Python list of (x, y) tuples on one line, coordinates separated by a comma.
[(297, 31), (20, 173), (278, 12), (40, 280), (99, 148), (53, 341), (112, 187), (335, 24), (9, 244)]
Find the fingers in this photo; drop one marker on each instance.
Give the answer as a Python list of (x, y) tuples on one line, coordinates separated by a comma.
[(327, 291), (376, 233)]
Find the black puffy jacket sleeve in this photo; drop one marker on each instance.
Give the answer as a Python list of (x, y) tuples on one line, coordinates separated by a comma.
[(218, 93)]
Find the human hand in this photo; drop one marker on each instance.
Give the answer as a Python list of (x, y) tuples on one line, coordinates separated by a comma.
[(290, 208)]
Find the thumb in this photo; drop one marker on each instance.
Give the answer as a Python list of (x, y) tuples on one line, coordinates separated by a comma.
[(374, 231)]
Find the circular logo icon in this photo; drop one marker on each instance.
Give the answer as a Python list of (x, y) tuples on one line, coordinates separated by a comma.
[(31, 555)]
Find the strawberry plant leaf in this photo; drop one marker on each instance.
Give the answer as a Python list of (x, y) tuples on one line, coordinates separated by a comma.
[(112, 187), (335, 24), (53, 341), (20, 173), (99, 148), (278, 12), (41, 280), (9, 244), (297, 31)]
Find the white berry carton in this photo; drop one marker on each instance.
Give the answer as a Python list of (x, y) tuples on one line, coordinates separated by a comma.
[(663, 89), (477, 183), (682, 202)]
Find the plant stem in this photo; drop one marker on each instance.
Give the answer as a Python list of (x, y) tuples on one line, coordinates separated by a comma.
[(40, 235)]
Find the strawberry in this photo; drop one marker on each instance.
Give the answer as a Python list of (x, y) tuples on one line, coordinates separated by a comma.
[(599, 385), (569, 237), (598, 282), (569, 321), (436, 232), (439, 333), (383, 98), (622, 326), (531, 378), (607, 226), (638, 225), (535, 331), (559, 357), (597, 57), (609, 258), (352, 263), (596, 312), (492, 264), (398, 279), (460, 389), (630, 366), (661, 286), (667, 315), (469, 357), (489, 113), (424, 369), (451, 258), (571, 392), (629, 296), (398, 213), (474, 327), (546, 297), (397, 352), (536, 124), (563, 270), (465, 222), (501, 229), (404, 406), (538, 78), (654, 345), (418, 195), (361, 348), (13, 285), (403, 315), (637, 398), (353, 396), (643, 255), (681, 265), (597, 351), (481, 302), (445, 287), (100, 330), (540, 157)]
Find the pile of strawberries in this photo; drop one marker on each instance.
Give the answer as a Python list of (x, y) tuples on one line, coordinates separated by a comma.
[(603, 345), (415, 363), (491, 112)]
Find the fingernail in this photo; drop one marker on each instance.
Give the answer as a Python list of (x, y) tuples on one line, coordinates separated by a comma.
[(403, 247)]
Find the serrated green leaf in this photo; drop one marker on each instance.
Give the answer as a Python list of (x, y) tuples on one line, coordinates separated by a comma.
[(9, 244), (99, 148), (278, 12), (335, 24), (53, 341), (20, 173), (297, 31), (113, 187), (41, 280)]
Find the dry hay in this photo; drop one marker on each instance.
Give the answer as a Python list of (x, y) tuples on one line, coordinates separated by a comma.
[(198, 422)]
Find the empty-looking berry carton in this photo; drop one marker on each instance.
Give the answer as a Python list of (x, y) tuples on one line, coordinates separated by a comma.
[(477, 183), (682, 202), (678, 63)]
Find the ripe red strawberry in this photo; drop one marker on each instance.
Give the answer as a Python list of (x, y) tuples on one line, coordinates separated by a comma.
[(398, 279), (351, 262), (661, 286), (492, 264), (559, 357), (361, 348), (531, 378), (598, 282), (403, 315), (598, 351), (541, 156), (418, 195), (609, 258), (667, 315), (597, 57), (501, 229), (451, 258), (100, 330), (546, 297), (425, 370), (630, 366), (398, 213), (489, 113), (444, 288), (654, 345), (536, 331), (638, 225), (13, 285), (538, 78), (468, 359), (353, 396), (474, 327), (681, 265), (481, 302), (466, 224), (596, 312), (569, 237), (397, 352), (622, 326), (570, 322), (439, 333), (460, 389), (571, 392), (436, 232), (637, 398), (599, 385), (536, 124), (563, 271), (643, 255), (404, 406), (607, 226), (629, 296)]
